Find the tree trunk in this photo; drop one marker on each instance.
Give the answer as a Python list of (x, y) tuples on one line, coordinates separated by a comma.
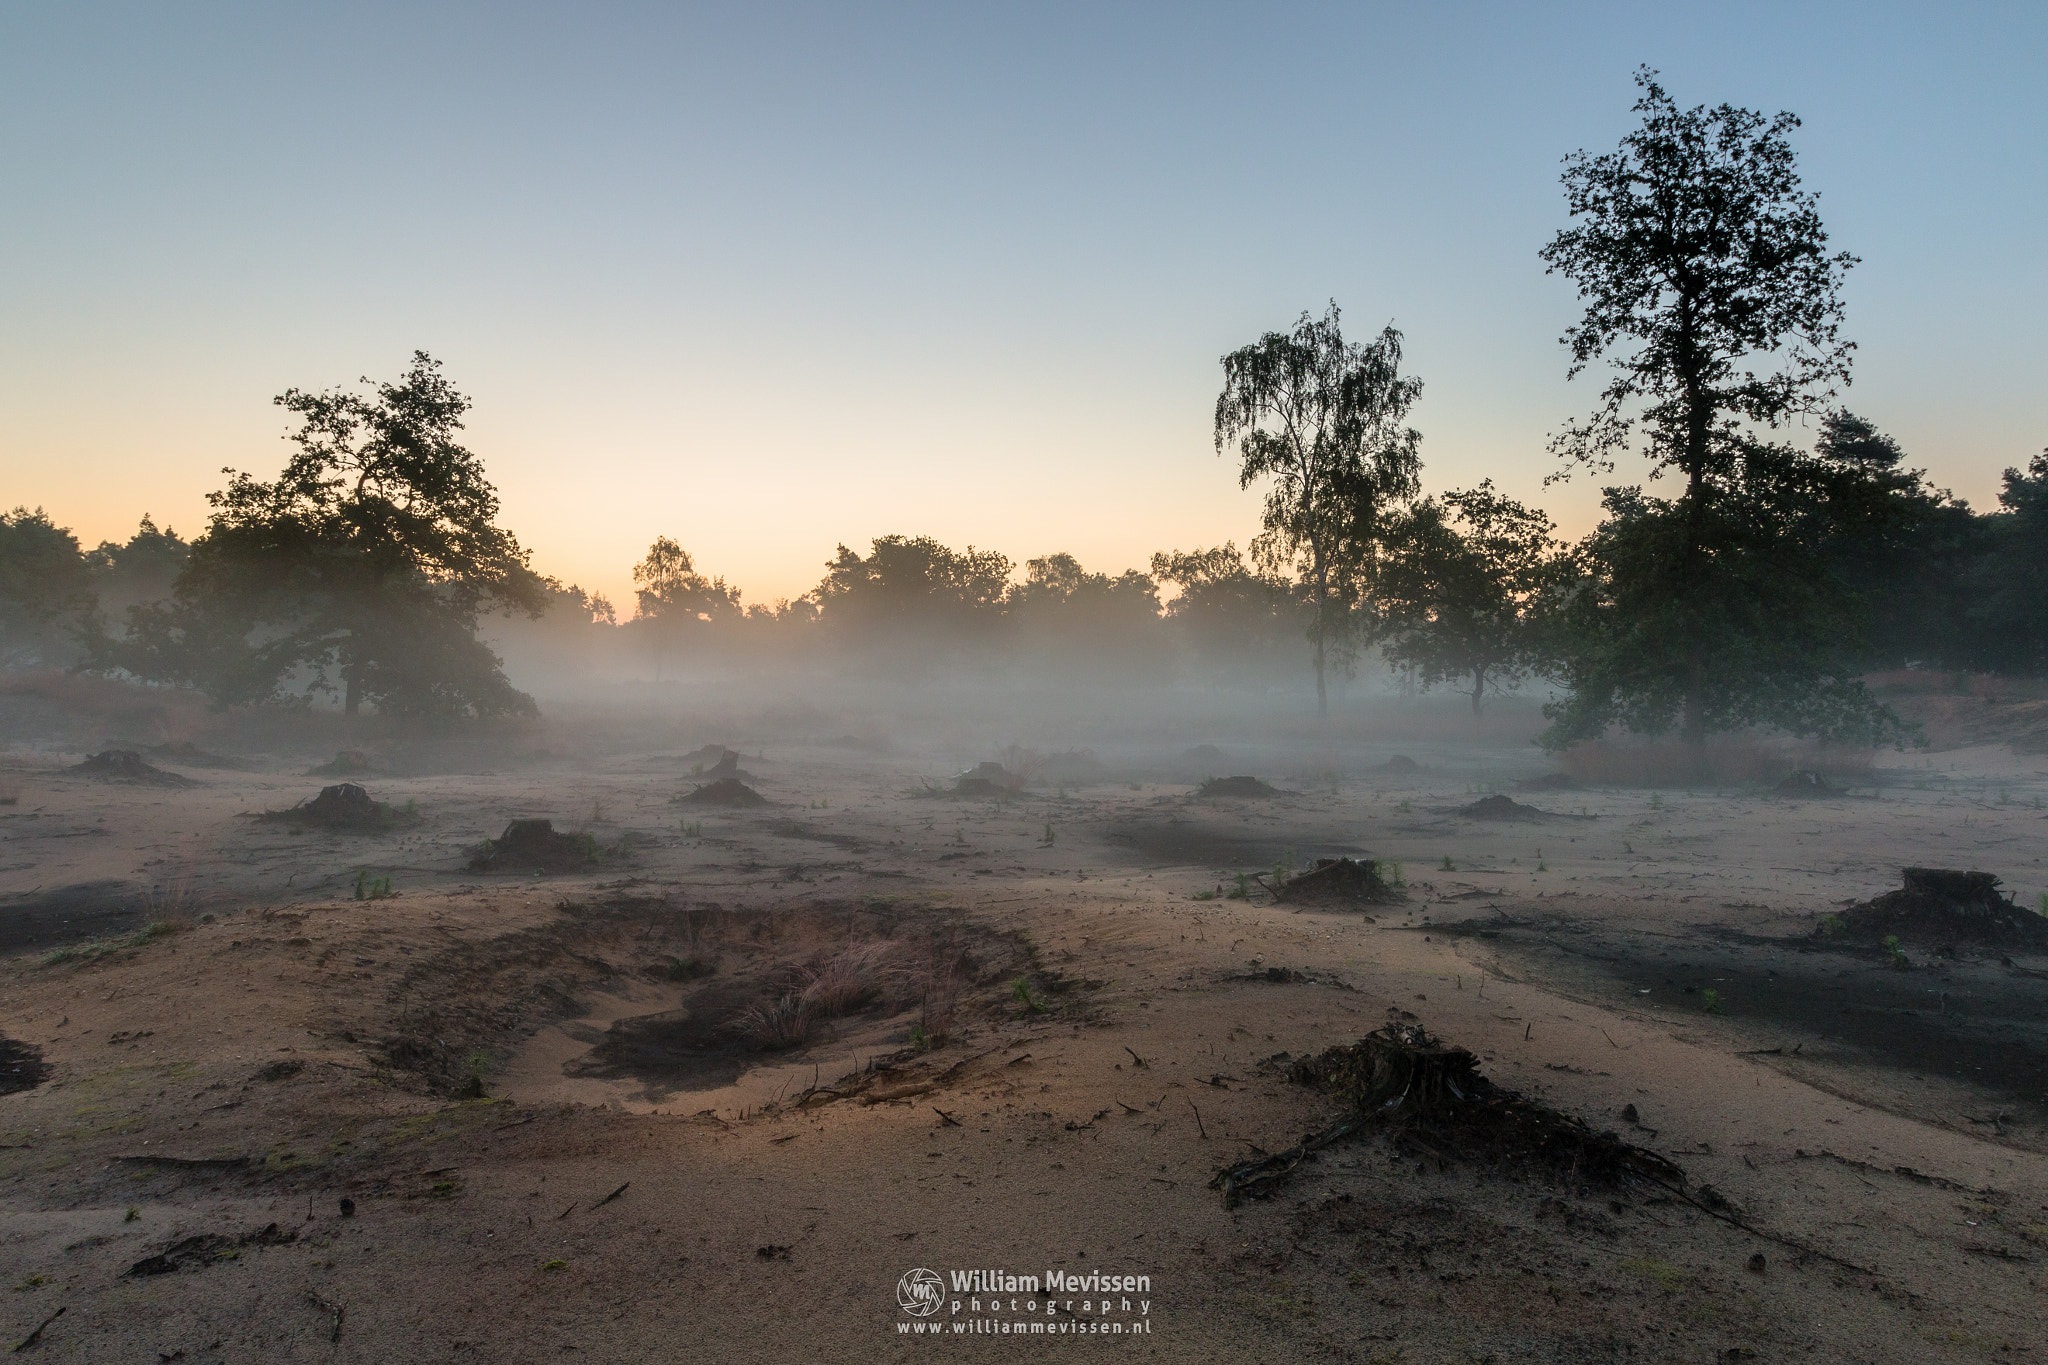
[(1698, 441), (1478, 689), (351, 697), (1692, 726), (1322, 578)]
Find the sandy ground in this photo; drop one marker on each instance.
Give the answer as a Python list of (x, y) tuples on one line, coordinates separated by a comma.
[(639, 1182)]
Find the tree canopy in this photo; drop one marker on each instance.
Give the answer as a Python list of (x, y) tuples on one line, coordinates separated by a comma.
[(672, 598), (1783, 626), (911, 583), (1707, 284), (2012, 597), (1463, 588), (1322, 419), (362, 568), (1709, 289), (45, 584)]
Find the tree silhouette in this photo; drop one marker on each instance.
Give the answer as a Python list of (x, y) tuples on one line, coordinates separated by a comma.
[(1463, 586), (363, 567), (1709, 289), (1779, 616), (1321, 418), (672, 597), (45, 588), (2013, 576)]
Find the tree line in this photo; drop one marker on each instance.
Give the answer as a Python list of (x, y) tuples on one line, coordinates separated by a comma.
[(1743, 580)]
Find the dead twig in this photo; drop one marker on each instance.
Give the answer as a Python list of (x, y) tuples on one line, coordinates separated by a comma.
[(336, 1309), (33, 1337), (613, 1195), (951, 1122), (1134, 1054), (1198, 1120)]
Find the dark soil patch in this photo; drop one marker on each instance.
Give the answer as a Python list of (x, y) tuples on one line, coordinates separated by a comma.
[(490, 997), (1500, 807), (1431, 1098), (347, 763), (726, 791), (1235, 786), (1218, 842), (125, 765), (790, 980), (708, 755), (1400, 763), (342, 806), (21, 1066), (1550, 782), (1806, 784), (1943, 908), (66, 914), (1339, 881), (1974, 1021), (534, 846), (207, 1249), (696, 1047)]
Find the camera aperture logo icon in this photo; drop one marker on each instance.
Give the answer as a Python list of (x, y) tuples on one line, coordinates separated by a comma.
[(920, 1292)]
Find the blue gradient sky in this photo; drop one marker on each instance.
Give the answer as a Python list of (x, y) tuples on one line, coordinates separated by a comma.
[(768, 278)]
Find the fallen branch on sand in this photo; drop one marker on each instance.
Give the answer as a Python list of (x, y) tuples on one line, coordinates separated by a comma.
[(33, 1337)]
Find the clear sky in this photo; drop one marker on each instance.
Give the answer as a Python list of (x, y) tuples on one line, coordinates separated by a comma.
[(767, 278)]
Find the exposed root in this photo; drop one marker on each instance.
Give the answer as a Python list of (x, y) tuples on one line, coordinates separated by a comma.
[(1400, 1079)]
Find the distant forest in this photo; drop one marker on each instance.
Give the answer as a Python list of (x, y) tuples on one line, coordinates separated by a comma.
[(1741, 583), (1925, 582)]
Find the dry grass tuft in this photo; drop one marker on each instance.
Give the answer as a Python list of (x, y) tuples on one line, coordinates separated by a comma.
[(826, 988)]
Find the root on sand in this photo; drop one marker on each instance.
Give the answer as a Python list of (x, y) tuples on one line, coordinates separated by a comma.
[(1943, 907), (534, 846), (1500, 807), (1402, 1081), (341, 806), (1339, 881)]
